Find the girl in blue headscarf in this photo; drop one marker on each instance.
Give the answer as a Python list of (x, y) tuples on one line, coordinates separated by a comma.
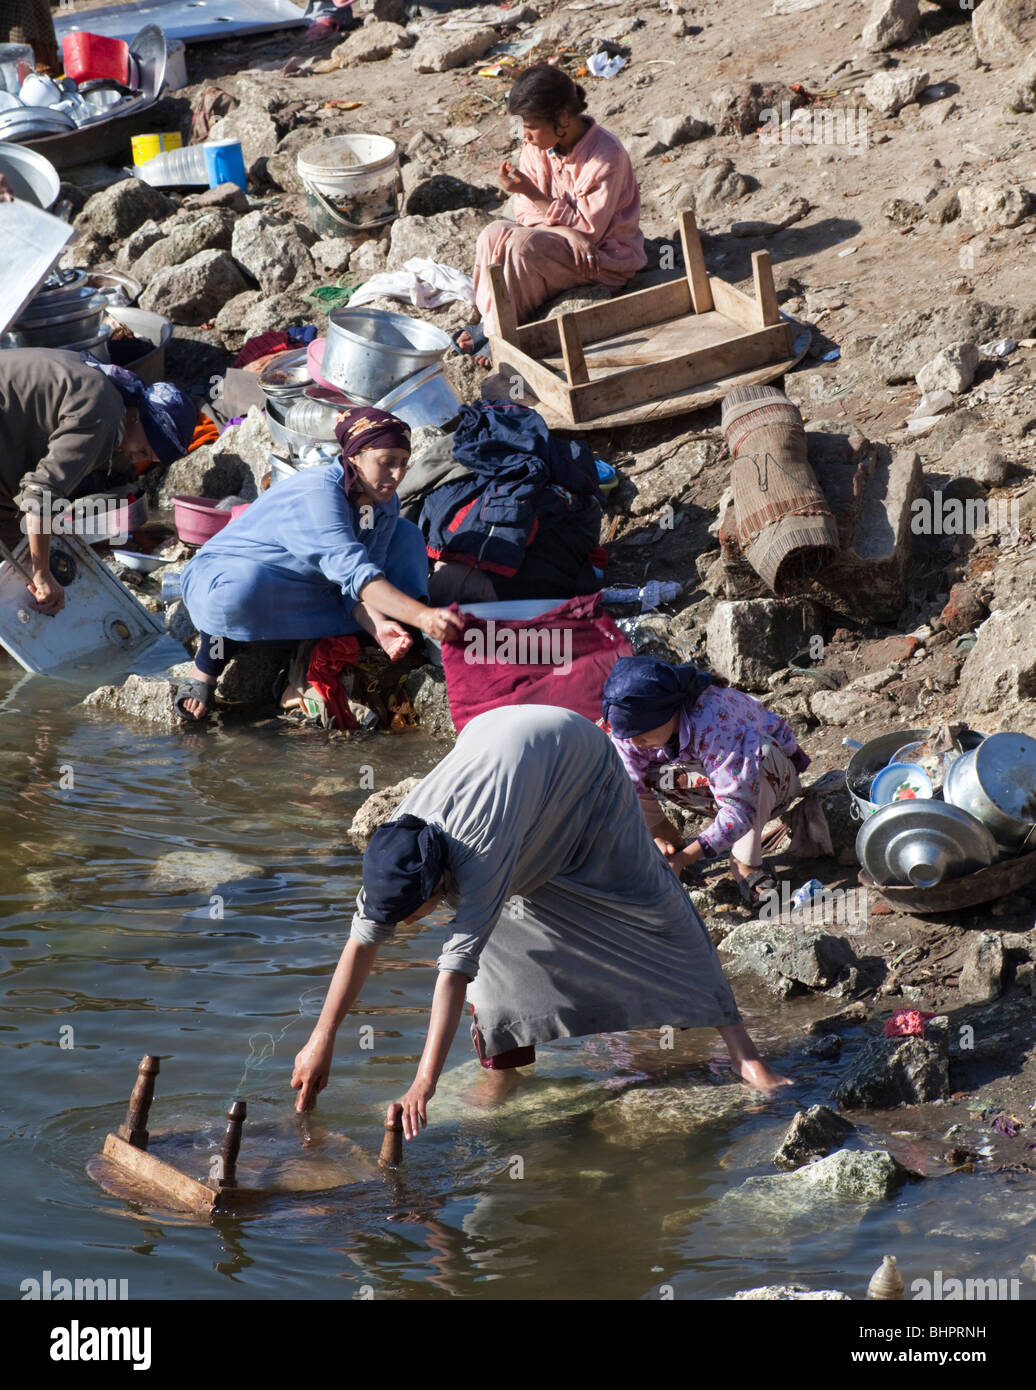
[(686, 733)]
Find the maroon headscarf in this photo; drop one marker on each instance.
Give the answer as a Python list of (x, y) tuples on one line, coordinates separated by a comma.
[(366, 427)]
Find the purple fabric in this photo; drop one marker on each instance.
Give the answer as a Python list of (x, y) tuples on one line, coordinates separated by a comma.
[(366, 427)]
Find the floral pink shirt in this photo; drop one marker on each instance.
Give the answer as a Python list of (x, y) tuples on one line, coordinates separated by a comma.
[(724, 735)]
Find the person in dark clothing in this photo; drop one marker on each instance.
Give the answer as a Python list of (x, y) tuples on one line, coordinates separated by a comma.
[(61, 421), (31, 22)]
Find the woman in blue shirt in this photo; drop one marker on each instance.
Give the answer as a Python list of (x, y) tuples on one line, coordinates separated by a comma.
[(325, 554)]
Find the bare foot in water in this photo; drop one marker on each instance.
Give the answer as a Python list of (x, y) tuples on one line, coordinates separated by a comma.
[(492, 1088), (465, 344), (760, 1076)]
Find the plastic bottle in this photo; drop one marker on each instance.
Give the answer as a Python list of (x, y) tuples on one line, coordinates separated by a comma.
[(806, 893), (654, 593), (217, 161)]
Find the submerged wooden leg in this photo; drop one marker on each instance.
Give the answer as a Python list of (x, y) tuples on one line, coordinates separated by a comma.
[(765, 293), (231, 1145), (134, 1127), (391, 1155)]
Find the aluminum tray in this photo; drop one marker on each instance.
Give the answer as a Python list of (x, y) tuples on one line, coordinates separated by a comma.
[(921, 843)]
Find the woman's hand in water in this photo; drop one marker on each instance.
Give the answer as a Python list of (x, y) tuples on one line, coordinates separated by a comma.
[(442, 624), (393, 639), (312, 1069), (47, 592), (415, 1108)]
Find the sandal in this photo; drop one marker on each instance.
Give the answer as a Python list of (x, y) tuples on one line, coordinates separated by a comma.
[(754, 887), (479, 341), (194, 690)]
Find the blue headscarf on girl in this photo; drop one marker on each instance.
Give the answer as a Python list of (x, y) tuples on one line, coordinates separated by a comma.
[(644, 693)]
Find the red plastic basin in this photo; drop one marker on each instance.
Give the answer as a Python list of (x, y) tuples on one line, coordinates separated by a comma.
[(92, 57), (197, 519)]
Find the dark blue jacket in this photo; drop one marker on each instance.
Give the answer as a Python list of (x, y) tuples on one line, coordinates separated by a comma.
[(532, 499)]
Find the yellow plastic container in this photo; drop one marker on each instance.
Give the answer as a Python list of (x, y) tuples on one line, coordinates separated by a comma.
[(146, 147)]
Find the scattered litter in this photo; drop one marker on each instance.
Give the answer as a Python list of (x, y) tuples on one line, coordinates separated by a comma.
[(849, 251), (1001, 347), (832, 355), (653, 594), (809, 890), (330, 297), (906, 1023), (935, 92), (933, 403), (781, 7), (600, 65), (427, 284), (922, 424), (1007, 1125), (1027, 342)]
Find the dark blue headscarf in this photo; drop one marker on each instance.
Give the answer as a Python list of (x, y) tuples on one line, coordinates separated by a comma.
[(643, 693), (167, 414), (403, 863)]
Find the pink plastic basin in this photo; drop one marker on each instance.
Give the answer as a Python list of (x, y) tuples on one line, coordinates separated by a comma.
[(239, 510), (197, 519)]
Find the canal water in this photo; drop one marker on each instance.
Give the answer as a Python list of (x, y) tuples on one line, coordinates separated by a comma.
[(188, 895)]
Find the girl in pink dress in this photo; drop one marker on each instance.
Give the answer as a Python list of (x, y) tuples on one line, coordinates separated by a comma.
[(576, 204)]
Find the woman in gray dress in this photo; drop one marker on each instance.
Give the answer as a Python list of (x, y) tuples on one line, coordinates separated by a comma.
[(567, 920)]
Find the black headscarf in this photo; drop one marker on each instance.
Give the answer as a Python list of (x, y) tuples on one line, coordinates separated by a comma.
[(401, 867), (643, 693)]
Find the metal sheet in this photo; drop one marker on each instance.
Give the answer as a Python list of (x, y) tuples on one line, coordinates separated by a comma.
[(100, 614), (31, 241), (190, 21)]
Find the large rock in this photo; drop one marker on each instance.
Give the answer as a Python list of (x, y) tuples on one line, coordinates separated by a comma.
[(445, 193), (901, 350), (898, 1071), (832, 1192), (789, 1293), (256, 129), (195, 291), (672, 131), (427, 690), (1023, 98), (139, 241), (139, 697), (1000, 670), (232, 466), (848, 708), (787, 957), (640, 1117), (447, 237), (209, 231), (892, 22), (442, 49), (813, 1133), (889, 90), (982, 975), (951, 369), (249, 678), (1004, 30), (720, 185), (989, 206), (379, 808), (200, 871), (370, 43), (274, 251), (120, 209), (278, 311), (749, 639)]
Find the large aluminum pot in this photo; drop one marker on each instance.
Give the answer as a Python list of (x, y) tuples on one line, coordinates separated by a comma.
[(872, 756), (996, 783), (370, 352), (424, 399)]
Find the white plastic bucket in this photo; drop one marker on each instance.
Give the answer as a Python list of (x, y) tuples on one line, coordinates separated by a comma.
[(352, 184)]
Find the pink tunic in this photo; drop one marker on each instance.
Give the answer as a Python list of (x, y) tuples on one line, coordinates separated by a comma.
[(594, 190)]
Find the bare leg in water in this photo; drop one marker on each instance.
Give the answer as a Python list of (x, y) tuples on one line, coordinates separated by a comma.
[(492, 1088), (745, 1060)]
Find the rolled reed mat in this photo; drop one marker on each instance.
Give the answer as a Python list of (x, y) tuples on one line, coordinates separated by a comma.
[(784, 523)]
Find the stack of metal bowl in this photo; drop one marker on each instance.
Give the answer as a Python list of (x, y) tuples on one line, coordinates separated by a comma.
[(34, 122), (67, 312)]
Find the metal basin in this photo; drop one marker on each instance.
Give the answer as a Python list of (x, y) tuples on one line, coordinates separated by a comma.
[(996, 783), (424, 399), (370, 352), (30, 176), (923, 842), (873, 755)]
